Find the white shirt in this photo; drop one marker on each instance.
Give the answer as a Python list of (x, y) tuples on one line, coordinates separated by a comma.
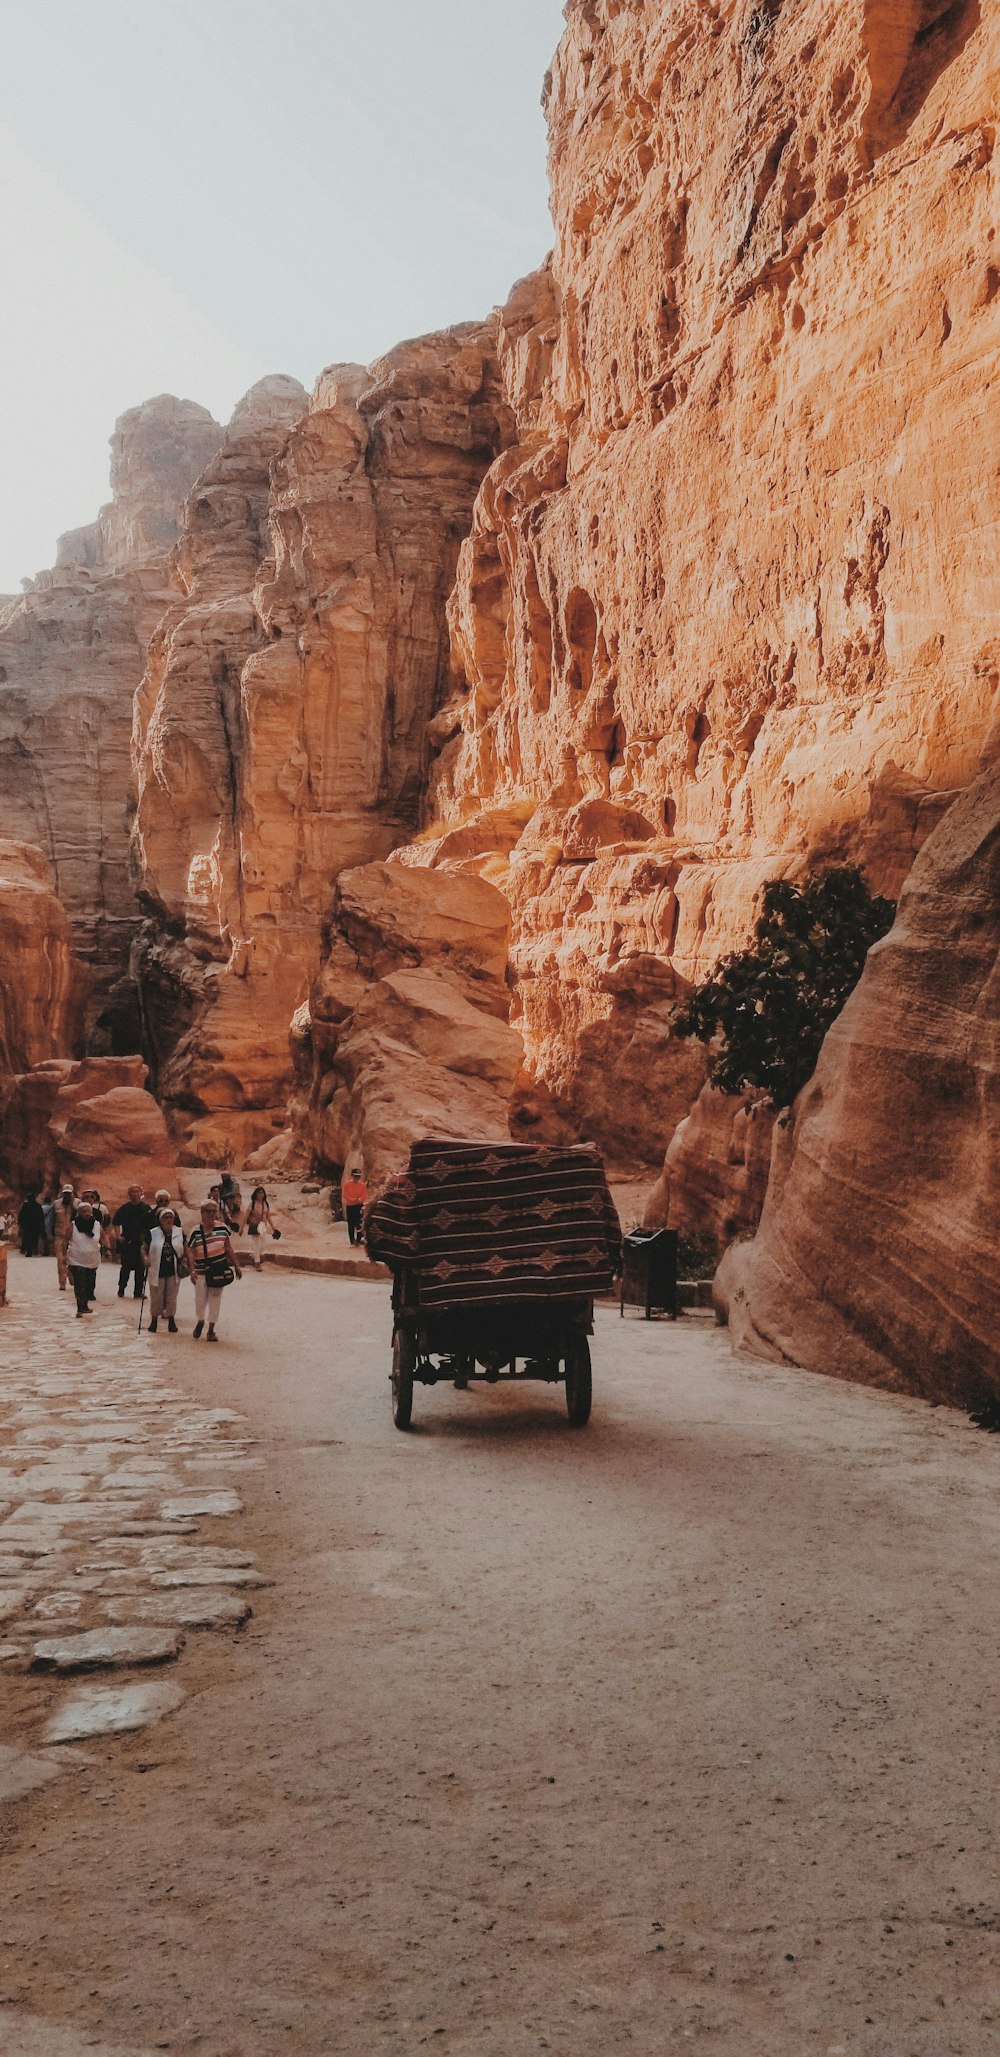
[(82, 1250)]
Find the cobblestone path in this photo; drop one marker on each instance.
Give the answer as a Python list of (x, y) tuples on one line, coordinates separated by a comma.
[(113, 1485)]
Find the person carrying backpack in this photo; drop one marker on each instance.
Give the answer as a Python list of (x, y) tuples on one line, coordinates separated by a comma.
[(215, 1267)]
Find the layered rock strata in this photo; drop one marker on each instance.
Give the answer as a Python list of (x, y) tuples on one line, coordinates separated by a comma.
[(876, 1253), (406, 1031), (72, 650), (282, 726), (42, 986), (728, 606)]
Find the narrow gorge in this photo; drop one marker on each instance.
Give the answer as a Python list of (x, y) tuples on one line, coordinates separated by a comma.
[(397, 756)]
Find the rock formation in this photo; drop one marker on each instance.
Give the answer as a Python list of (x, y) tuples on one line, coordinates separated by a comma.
[(281, 728), (42, 988), (728, 606), (92, 1122), (406, 1031), (876, 1254), (715, 1173), (72, 650)]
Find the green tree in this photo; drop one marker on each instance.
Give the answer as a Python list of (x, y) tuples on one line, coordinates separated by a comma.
[(766, 1010)]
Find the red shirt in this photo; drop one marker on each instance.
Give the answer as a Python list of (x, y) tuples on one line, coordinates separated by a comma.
[(355, 1192)]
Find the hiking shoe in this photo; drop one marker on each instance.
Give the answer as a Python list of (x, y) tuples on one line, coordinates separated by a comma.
[(196, 1331), (121, 1292), (211, 1336), (171, 1326), (152, 1326)]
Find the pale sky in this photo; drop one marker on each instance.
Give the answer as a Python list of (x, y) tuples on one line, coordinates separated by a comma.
[(196, 192)]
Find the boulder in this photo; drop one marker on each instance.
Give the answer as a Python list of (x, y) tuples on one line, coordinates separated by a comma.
[(92, 1122)]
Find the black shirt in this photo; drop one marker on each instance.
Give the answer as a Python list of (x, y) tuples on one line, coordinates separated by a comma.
[(168, 1259), (135, 1220)]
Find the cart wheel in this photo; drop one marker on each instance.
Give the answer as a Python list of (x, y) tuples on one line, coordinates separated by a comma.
[(403, 1355), (578, 1381)]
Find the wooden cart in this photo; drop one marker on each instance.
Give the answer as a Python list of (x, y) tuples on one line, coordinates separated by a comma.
[(496, 1251)]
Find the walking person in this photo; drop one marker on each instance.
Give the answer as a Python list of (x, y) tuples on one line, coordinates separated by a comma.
[(31, 1222), (49, 1217), (132, 1222), (231, 1202), (355, 1197), (83, 1255), (65, 1208), (167, 1261), (215, 1266), (259, 1223)]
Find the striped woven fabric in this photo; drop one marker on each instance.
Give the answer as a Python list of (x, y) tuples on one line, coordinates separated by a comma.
[(498, 1221)]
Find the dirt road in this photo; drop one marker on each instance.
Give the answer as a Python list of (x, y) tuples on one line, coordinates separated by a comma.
[(676, 1732)]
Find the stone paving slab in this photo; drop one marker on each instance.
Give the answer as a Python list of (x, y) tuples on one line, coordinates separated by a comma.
[(190, 1609), (21, 1773), (209, 1575), (220, 1503), (99, 1648), (112, 1710), (107, 1473)]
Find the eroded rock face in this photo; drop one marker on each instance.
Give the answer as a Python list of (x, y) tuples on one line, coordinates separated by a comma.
[(728, 604), (406, 1032), (281, 731), (92, 1122), (72, 650), (42, 987), (715, 1173), (876, 1254)]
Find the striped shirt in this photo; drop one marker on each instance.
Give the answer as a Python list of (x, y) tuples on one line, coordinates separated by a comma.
[(208, 1247)]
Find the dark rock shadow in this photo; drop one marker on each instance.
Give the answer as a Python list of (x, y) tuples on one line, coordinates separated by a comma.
[(943, 29)]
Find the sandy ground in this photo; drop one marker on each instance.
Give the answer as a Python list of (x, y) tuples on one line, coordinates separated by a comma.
[(676, 1732)]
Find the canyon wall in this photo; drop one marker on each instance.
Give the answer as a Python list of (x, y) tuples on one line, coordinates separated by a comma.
[(876, 1253), (728, 604), (72, 650), (42, 986), (281, 731), (406, 1031)]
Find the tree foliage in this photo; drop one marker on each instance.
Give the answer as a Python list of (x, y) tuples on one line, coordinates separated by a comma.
[(767, 1009)]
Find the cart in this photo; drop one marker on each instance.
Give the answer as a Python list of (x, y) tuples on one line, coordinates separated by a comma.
[(496, 1251)]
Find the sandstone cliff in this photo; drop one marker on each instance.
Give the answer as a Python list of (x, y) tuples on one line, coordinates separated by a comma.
[(406, 1031), (42, 987), (728, 604), (72, 650), (281, 729), (876, 1254)]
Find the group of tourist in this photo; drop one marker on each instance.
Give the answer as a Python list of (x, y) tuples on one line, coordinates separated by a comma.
[(150, 1246)]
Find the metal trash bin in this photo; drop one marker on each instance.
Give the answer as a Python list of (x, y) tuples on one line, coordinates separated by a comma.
[(649, 1272)]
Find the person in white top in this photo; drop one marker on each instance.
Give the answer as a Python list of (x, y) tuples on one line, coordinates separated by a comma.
[(83, 1256), (167, 1261)]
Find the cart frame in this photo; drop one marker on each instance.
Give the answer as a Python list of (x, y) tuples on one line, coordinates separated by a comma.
[(482, 1345)]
